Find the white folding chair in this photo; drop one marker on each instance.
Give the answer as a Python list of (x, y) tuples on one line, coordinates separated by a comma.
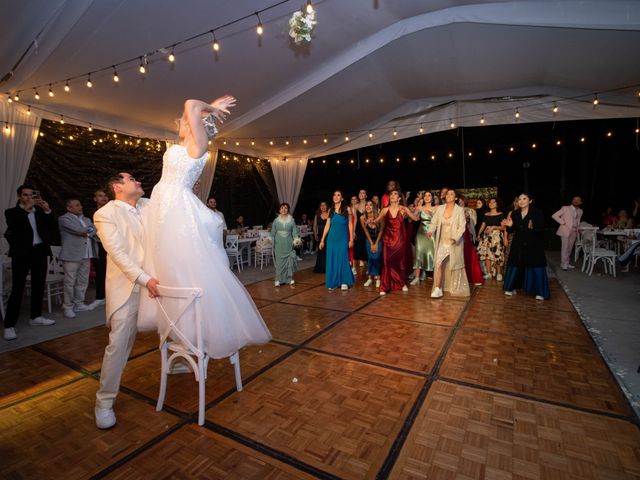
[(233, 251), (54, 282), (173, 303), (264, 251)]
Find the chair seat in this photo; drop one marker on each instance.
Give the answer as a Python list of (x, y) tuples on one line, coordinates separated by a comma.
[(604, 252)]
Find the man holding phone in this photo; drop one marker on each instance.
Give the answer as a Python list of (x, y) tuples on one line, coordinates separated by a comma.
[(29, 228)]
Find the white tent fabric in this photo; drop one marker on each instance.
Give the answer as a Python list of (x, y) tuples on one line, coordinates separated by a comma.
[(288, 174), (16, 148), (371, 66)]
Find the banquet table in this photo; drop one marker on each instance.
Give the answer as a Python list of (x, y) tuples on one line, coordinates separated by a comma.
[(244, 245)]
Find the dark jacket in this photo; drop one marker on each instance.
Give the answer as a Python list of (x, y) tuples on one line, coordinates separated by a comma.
[(527, 245), (19, 233)]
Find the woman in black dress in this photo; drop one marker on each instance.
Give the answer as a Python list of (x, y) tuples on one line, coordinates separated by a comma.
[(360, 242), (319, 221), (526, 267)]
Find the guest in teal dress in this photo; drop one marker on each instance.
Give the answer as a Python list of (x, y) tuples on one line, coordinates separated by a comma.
[(373, 234), (285, 237), (425, 246), (337, 232)]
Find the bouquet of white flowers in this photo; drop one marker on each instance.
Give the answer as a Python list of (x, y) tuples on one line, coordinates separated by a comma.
[(300, 26), (297, 242)]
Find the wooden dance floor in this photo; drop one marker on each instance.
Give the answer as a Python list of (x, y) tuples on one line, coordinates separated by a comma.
[(352, 386)]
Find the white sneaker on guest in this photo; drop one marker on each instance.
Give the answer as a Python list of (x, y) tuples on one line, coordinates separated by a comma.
[(38, 321), (97, 303), (405, 288), (509, 293), (299, 259), (378, 283), (344, 286), (539, 297), (499, 277), (276, 283), (292, 282), (10, 333), (105, 418), (415, 281), (82, 307), (368, 283), (571, 267), (437, 293), (69, 312), (382, 292), (487, 276)]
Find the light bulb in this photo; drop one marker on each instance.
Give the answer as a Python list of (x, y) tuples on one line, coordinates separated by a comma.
[(89, 83), (595, 101), (452, 124), (609, 134), (304, 141), (558, 142), (9, 99), (309, 7), (142, 67), (116, 78), (346, 137), (490, 152), (270, 142), (286, 142), (216, 45), (482, 120), (433, 157), (534, 145), (90, 128), (7, 130), (555, 108), (16, 97), (67, 88), (324, 140), (583, 139), (517, 114), (28, 109), (370, 135), (395, 132), (253, 143), (470, 154), (61, 120), (637, 130), (511, 149), (36, 95), (172, 57), (50, 91), (421, 130)]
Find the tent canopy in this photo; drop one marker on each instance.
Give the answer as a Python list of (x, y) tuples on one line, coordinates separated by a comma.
[(372, 67)]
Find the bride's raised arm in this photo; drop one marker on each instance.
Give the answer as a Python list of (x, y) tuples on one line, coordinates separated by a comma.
[(197, 142)]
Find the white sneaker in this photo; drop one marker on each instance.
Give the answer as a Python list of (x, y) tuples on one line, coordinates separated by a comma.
[(437, 293), (378, 283), (344, 286), (276, 283), (499, 277), (10, 333), (97, 303), (292, 282), (105, 418), (368, 283), (415, 281), (82, 307), (509, 293), (69, 312), (571, 267), (41, 321), (405, 288), (299, 259), (487, 276), (539, 297), (382, 292)]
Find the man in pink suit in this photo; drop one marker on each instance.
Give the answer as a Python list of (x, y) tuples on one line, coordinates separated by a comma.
[(569, 219)]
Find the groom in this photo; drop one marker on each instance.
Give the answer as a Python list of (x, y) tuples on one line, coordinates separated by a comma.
[(121, 232)]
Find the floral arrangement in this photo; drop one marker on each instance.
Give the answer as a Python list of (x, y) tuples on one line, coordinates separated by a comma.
[(297, 242), (301, 25)]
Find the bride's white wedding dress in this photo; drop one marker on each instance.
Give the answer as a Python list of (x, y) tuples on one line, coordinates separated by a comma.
[(184, 248)]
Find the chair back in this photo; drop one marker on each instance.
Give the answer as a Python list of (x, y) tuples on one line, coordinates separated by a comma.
[(263, 233), (173, 303), (231, 243), (54, 265), (257, 227)]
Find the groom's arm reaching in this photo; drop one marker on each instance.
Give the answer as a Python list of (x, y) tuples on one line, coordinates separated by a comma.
[(112, 242)]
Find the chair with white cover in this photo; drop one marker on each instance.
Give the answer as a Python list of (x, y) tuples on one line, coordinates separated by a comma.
[(593, 253), (233, 251), (263, 251), (173, 304)]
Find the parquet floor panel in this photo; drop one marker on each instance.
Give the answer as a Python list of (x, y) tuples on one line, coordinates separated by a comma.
[(496, 296), (562, 372), (265, 290), (261, 303), (527, 322), (86, 348), (295, 323), (407, 345), (466, 433), (26, 372), (143, 376), (54, 435), (416, 308), (308, 276), (336, 299), (197, 453), (337, 415)]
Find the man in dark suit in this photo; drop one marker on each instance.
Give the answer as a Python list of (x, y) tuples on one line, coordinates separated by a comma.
[(30, 225)]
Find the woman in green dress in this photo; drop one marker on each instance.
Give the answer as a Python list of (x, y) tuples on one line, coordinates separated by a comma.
[(285, 237), (425, 246)]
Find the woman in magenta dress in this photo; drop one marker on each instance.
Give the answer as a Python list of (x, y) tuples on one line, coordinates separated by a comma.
[(394, 273)]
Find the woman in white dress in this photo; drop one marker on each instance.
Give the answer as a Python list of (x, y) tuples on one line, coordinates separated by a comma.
[(183, 243)]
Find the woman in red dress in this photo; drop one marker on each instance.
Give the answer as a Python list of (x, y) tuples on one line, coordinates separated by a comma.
[(471, 259), (394, 274)]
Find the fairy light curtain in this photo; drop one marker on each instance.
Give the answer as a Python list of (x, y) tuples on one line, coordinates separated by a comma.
[(16, 147)]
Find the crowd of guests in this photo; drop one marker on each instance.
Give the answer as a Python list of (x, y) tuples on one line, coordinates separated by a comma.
[(402, 238)]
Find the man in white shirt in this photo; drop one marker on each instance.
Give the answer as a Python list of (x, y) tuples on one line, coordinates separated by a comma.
[(121, 231), (569, 219), (212, 204), (77, 235)]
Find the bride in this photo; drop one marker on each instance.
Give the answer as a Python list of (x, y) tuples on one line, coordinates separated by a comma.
[(183, 243)]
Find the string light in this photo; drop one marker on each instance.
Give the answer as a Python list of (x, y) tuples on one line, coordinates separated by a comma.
[(452, 124), (352, 161), (511, 149), (286, 142), (28, 109), (413, 158), (470, 154), (36, 95), (366, 160), (304, 141), (490, 152), (7, 130), (398, 159), (50, 91), (482, 119), (16, 97), (395, 132), (338, 162), (370, 134), (90, 128), (309, 7), (609, 134), (61, 119), (637, 130), (116, 78), (558, 142), (9, 99), (517, 114), (259, 29), (142, 68), (253, 142), (324, 140), (595, 101), (450, 155), (381, 160), (533, 145), (421, 130), (270, 142), (216, 45), (346, 137), (67, 88), (324, 161), (172, 57), (433, 157), (583, 139), (312, 160), (555, 109), (89, 83)]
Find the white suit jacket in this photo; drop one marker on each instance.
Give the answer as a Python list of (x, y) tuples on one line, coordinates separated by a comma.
[(122, 236), (564, 217)]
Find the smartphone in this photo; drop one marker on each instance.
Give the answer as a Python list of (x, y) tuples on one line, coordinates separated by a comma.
[(36, 195)]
